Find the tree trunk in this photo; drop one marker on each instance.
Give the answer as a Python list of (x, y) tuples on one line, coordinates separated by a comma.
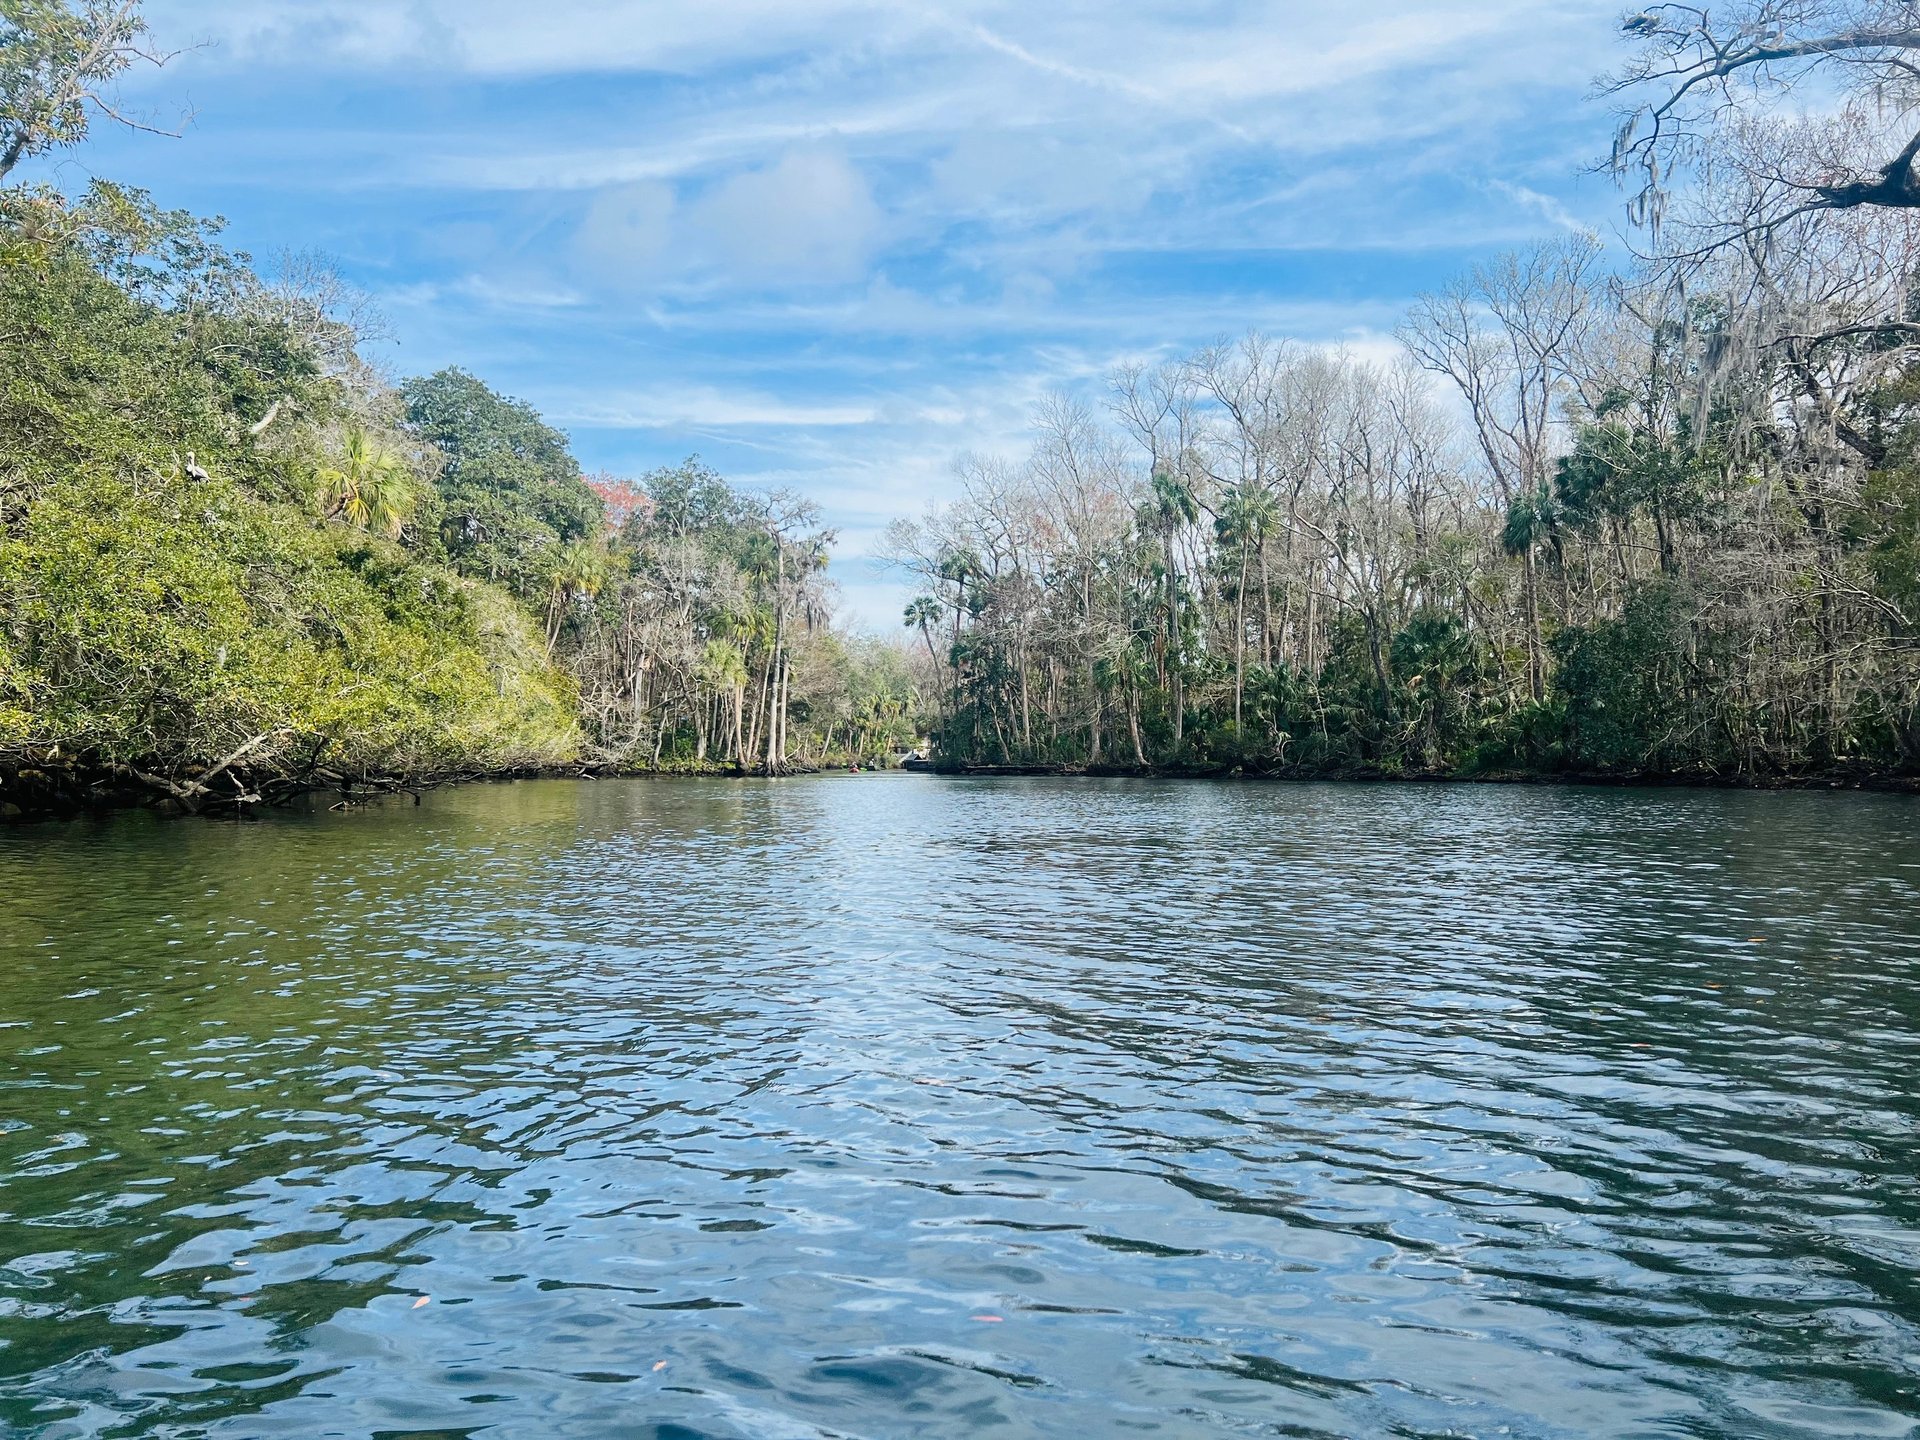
[(785, 691), (774, 662), (1240, 648), (1536, 669), (1175, 672)]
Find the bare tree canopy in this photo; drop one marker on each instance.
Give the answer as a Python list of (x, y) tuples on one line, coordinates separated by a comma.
[(58, 61), (1810, 105)]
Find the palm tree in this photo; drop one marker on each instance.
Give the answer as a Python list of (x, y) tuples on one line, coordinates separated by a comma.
[(959, 566), (749, 630), (724, 667), (1531, 521), (922, 615), (579, 573), (369, 486), (1118, 668)]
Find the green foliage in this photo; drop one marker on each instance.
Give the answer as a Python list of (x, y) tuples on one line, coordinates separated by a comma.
[(691, 499), (221, 534), (368, 486), (511, 494), (161, 607), (1170, 504), (1887, 531), (1618, 471), (1247, 517), (1621, 684), (159, 622), (1440, 670), (89, 366), (1533, 520), (860, 695), (1884, 530)]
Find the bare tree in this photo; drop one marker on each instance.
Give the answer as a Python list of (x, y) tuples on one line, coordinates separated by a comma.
[(1510, 336), (1078, 475), (1159, 407), (799, 546), (1708, 83)]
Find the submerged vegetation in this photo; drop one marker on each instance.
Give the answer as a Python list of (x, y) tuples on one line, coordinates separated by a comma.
[(1663, 522), (236, 563)]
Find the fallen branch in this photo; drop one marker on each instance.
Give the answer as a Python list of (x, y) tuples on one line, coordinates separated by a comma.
[(188, 796)]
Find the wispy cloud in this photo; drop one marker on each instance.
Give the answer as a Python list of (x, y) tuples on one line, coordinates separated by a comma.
[(1545, 206), (703, 408), (837, 241)]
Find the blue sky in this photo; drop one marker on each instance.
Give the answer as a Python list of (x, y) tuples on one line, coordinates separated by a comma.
[(833, 244)]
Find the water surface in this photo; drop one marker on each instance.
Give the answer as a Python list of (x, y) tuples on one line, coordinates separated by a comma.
[(893, 1106)]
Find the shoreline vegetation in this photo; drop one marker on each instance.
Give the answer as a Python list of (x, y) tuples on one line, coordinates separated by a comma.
[(44, 794), (53, 792), (240, 563), (1682, 554), (1654, 515), (1593, 520)]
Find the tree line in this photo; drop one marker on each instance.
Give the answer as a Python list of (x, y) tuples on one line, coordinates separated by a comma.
[(1653, 517), (1656, 518)]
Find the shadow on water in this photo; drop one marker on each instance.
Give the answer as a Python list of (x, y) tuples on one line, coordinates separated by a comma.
[(892, 1105)]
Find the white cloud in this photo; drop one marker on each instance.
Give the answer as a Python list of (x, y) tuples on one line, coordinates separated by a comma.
[(510, 37), (1545, 206), (680, 148), (1027, 175), (806, 219), (704, 408), (842, 240), (627, 232), (1079, 74), (809, 217)]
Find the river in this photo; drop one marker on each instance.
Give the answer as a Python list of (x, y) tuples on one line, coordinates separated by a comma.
[(886, 1106)]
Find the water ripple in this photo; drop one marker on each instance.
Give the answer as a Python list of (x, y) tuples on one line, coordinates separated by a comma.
[(893, 1106)]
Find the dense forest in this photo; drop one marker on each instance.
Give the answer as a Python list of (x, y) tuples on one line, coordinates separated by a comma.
[(237, 562), (1659, 519)]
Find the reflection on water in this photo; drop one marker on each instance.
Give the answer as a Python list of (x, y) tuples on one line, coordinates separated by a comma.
[(893, 1106)]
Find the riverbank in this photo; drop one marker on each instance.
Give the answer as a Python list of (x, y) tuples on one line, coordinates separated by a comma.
[(52, 791), (238, 567), (1695, 780), (57, 790)]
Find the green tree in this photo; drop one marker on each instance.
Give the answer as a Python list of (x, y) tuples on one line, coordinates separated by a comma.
[(580, 571), (724, 667), (510, 494), (1246, 522), (923, 613), (1171, 508)]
